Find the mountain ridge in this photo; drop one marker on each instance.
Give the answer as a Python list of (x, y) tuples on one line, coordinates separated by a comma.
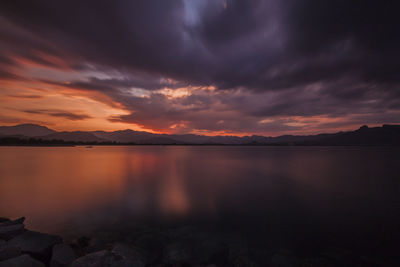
[(384, 135), (27, 129)]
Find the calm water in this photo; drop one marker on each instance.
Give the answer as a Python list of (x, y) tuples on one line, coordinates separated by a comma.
[(292, 197)]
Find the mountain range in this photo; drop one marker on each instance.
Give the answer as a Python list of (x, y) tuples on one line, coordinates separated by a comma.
[(385, 135)]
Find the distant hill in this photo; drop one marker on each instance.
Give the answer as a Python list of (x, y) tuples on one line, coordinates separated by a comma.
[(29, 130), (125, 136), (161, 140), (385, 135), (73, 137)]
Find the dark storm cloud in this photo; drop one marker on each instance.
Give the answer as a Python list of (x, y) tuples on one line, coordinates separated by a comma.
[(113, 86), (367, 31), (265, 58), (258, 44)]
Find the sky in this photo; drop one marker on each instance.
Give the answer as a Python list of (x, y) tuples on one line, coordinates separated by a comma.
[(213, 67)]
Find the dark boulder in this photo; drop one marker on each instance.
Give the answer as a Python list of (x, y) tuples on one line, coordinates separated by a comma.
[(129, 254), (86, 245), (37, 244), (2, 219), (21, 261), (7, 252), (178, 252), (62, 256), (100, 258), (12, 222), (119, 255), (8, 232)]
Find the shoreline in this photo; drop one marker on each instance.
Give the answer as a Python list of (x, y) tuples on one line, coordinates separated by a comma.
[(213, 145), (183, 246)]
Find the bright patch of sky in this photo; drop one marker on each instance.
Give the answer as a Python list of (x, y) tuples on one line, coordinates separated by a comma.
[(139, 92), (193, 10)]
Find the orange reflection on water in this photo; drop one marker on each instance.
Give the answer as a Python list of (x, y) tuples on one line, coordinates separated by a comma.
[(58, 182), (173, 199)]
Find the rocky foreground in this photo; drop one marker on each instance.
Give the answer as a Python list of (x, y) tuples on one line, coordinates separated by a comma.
[(178, 247)]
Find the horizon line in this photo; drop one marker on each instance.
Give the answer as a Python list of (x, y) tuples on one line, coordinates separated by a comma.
[(227, 135)]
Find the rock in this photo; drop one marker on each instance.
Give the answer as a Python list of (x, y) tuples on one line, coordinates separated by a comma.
[(62, 255), (2, 219), (94, 245), (9, 231), (178, 252), (129, 254), (21, 261), (86, 245), (7, 252), (100, 258), (37, 244), (12, 222), (114, 258)]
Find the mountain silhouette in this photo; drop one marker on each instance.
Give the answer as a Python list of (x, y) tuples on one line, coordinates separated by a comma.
[(385, 135), (29, 130), (76, 136), (125, 136)]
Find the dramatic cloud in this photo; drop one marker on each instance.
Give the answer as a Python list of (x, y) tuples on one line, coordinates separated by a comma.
[(60, 113), (206, 66)]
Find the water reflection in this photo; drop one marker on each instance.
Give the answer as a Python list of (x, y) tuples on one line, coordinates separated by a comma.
[(282, 191)]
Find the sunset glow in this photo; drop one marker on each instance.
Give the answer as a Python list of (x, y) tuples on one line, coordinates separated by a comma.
[(180, 78)]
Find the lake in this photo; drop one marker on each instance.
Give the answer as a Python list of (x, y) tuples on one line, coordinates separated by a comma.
[(298, 198)]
